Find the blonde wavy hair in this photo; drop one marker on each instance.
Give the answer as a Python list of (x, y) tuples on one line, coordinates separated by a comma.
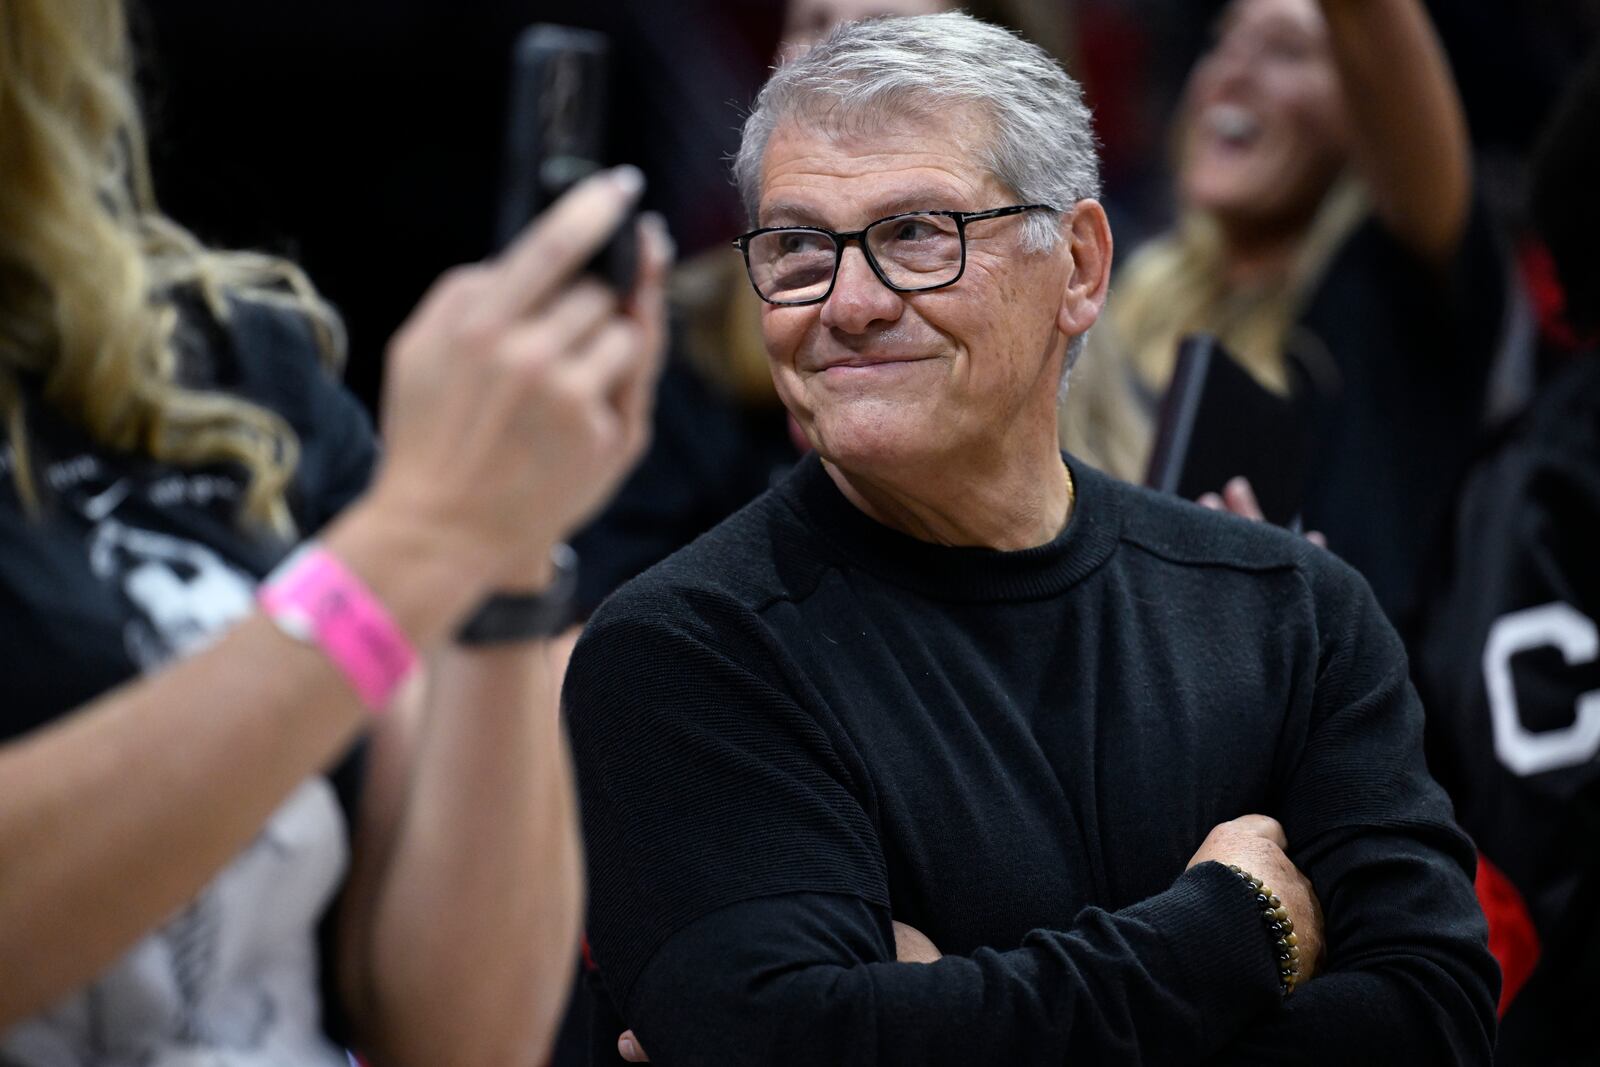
[(90, 268), (1176, 285)]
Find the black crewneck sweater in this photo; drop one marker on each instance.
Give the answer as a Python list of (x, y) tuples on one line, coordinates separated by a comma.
[(806, 724)]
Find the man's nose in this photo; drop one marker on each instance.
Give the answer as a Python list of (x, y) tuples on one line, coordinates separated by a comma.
[(859, 298)]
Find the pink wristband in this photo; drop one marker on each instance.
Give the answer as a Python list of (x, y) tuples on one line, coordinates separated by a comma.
[(315, 599)]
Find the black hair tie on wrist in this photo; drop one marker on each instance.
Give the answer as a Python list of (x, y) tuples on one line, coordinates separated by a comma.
[(1286, 946), (509, 617)]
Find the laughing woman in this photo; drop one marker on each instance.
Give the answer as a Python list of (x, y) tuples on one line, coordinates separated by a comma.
[(1326, 220)]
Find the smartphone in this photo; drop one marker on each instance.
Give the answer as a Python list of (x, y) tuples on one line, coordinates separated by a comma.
[(556, 137), (1218, 422)]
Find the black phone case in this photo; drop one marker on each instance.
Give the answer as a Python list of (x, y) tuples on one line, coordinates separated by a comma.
[(1218, 422), (555, 137)]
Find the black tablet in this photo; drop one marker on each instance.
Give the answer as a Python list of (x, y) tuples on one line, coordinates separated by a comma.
[(1218, 422)]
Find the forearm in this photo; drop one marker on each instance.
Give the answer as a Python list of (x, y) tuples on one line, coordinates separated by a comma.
[(1408, 978), (1410, 982), (1370, 1017), (154, 770), (1169, 980), (1408, 971), (472, 927), (1409, 130)]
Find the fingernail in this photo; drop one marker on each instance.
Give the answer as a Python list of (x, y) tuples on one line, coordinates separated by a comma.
[(629, 179), (658, 223), (629, 1049)]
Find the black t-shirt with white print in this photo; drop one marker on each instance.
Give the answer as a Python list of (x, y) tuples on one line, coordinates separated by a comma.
[(128, 565)]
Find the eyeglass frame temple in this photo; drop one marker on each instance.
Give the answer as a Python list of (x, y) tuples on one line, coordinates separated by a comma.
[(842, 240)]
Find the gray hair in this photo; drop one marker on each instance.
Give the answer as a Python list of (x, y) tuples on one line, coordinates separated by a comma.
[(1040, 145)]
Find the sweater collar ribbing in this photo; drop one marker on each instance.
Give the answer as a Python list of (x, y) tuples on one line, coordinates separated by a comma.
[(969, 575)]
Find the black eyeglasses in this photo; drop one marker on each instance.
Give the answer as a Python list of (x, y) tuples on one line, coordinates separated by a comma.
[(911, 252)]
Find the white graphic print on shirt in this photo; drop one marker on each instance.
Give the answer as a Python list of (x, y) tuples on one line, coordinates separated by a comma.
[(232, 979), (186, 595)]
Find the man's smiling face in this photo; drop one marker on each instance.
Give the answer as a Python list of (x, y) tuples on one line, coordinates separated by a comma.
[(879, 379)]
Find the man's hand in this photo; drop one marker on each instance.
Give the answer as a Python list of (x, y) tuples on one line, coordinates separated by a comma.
[(910, 946), (628, 1048), (1256, 844)]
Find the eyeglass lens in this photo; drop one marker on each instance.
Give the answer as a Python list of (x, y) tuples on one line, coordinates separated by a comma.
[(912, 252)]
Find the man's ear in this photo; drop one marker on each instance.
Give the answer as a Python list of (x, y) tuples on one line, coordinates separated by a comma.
[(1088, 236)]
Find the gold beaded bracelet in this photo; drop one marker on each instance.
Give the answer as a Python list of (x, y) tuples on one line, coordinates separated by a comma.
[(1286, 946)]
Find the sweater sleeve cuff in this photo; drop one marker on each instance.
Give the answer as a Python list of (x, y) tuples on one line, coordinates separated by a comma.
[(1222, 954)]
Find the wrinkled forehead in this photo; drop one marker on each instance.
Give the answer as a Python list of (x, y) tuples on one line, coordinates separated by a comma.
[(957, 133)]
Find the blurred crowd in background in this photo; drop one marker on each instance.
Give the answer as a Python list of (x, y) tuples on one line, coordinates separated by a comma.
[(364, 138), (366, 141)]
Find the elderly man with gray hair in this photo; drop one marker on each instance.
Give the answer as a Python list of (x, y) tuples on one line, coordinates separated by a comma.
[(953, 750)]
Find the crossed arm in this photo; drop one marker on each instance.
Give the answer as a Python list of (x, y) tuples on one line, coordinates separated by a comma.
[(813, 979), (785, 969)]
